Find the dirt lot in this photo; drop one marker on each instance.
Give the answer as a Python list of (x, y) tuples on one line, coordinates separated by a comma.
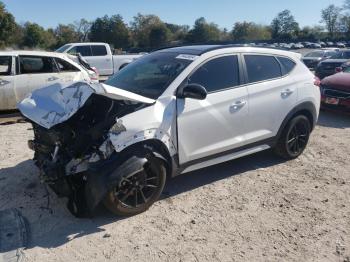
[(252, 209)]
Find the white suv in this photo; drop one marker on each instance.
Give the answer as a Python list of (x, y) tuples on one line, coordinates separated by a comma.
[(170, 112)]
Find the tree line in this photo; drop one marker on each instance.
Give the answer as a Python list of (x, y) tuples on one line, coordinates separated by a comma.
[(147, 32)]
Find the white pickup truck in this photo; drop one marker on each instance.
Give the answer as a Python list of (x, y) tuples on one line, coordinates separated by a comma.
[(100, 56)]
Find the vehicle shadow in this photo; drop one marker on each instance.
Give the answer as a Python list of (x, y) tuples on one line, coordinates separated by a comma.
[(52, 225), (334, 119), (205, 176)]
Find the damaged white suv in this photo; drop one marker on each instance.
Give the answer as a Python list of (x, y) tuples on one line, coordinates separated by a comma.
[(170, 112)]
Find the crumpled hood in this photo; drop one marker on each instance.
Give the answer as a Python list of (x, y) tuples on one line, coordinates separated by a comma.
[(56, 103)]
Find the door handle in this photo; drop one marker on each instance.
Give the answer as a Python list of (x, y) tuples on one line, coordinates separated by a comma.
[(52, 78), (4, 82), (287, 92), (237, 106)]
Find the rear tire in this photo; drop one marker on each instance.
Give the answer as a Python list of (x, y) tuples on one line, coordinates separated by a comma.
[(294, 138), (135, 194)]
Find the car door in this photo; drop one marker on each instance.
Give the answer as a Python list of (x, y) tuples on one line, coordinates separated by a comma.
[(67, 72), (7, 83), (34, 72), (216, 124), (102, 60), (272, 94)]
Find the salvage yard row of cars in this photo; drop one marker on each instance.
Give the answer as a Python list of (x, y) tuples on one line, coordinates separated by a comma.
[(332, 67)]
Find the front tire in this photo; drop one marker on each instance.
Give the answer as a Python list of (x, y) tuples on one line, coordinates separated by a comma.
[(294, 138), (137, 192)]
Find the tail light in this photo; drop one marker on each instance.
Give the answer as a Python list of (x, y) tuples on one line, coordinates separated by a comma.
[(338, 69), (95, 75), (317, 81)]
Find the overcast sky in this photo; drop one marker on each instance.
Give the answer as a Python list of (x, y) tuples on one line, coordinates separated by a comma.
[(49, 13)]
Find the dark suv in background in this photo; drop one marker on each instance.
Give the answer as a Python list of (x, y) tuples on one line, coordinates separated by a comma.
[(329, 66)]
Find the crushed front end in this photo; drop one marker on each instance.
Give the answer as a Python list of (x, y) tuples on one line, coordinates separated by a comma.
[(72, 136)]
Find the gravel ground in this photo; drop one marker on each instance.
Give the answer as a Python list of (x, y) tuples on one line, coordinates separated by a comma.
[(251, 209)]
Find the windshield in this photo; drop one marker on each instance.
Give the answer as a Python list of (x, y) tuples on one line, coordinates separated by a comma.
[(346, 70), (63, 48), (315, 54), (150, 75), (341, 55)]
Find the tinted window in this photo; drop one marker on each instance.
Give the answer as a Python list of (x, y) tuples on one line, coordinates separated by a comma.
[(65, 66), (341, 55), (287, 65), (217, 74), (63, 48), (98, 50), (330, 53), (36, 65), (261, 67), (149, 75), (5, 65), (315, 54), (84, 50)]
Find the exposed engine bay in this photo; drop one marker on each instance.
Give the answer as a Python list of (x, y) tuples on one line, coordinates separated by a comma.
[(79, 137), (64, 152)]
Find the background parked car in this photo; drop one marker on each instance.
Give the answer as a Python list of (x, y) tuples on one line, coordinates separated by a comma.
[(340, 45), (100, 56), (312, 59), (328, 67), (335, 91), (23, 71)]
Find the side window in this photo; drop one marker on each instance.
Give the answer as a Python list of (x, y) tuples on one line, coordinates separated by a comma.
[(5, 65), (287, 65), (36, 65), (262, 67), (98, 50), (217, 74), (65, 66), (84, 50), (72, 51)]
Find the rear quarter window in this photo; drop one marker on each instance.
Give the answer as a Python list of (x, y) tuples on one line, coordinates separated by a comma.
[(98, 50), (65, 66), (287, 65), (262, 68), (5, 65)]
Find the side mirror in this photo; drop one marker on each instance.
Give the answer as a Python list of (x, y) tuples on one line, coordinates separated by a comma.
[(194, 91)]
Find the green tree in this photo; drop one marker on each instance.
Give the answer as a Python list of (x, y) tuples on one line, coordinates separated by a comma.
[(311, 33), (34, 36), (330, 17), (284, 26), (159, 35), (248, 31), (8, 27), (177, 32), (111, 30), (240, 31), (65, 34), (203, 32), (141, 28)]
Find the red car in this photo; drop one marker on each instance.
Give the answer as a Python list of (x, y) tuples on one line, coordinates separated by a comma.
[(335, 91)]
